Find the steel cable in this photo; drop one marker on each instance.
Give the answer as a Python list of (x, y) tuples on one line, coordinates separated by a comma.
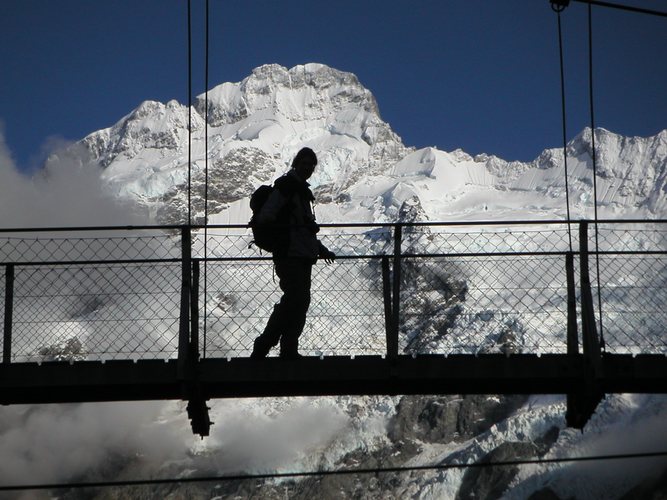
[(206, 83), (628, 8), (594, 159), (189, 112), (335, 472), (558, 9)]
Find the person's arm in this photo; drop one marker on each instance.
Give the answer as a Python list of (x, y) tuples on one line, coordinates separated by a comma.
[(326, 254)]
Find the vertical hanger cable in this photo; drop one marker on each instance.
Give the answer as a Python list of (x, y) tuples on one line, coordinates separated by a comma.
[(594, 159)]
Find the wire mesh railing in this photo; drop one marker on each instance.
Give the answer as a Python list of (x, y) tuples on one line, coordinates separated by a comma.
[(345, 316), (396, 289), (506, 304), (93, 245), (628, 271), (100, 312), (91, 293)]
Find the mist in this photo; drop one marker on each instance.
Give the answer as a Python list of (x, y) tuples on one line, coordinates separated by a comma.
[(65, 193), (139, 440), (50, 443)]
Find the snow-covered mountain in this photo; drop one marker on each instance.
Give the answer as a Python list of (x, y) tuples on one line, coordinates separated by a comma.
[(367, 174), (255, 128)]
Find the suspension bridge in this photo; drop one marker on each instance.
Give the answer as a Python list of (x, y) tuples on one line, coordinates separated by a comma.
[(170, 312), (107, 314)]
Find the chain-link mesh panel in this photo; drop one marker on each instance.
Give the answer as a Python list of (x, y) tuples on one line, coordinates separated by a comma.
[(3, 280), (347, 310), (346, 315), (363, 242), (96, 312), (624, 237), (510, 304), (238, 298), (237, 243), (451, 301), (486, 239), (135, 246), (224, 243), (629, 290), (634, 302), (367, 241)]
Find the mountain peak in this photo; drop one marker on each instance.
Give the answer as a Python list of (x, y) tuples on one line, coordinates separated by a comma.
[(256, 125), (305, 92)]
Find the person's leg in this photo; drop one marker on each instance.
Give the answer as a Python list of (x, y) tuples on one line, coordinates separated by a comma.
[(296, 303), (289, 315), (271, 334), (275, 325)]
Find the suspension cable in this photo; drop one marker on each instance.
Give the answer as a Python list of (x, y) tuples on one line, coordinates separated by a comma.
[(189, 111), (594, 159), (206, 67), (628, 8), (558, 8), (335, 472)]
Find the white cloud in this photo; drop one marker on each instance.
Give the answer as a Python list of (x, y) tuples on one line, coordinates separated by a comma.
[(50, 443), (256, 435), (137, 440), (68, 194)]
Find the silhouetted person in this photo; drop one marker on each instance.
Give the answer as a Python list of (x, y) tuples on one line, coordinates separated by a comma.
[(290, 204)]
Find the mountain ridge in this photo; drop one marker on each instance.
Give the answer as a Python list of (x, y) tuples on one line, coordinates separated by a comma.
[(256, 126)]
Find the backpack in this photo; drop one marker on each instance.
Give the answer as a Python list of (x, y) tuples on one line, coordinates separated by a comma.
[(268, 237)]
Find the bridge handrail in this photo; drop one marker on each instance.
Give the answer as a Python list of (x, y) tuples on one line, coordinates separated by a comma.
[(489, 222), (396, 251)]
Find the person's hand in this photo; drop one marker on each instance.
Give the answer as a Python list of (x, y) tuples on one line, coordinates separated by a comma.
[(328, 256)]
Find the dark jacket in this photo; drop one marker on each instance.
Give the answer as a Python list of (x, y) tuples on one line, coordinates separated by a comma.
[(291, 204)]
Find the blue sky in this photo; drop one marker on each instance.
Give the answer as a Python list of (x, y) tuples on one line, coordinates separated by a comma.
[(481, 75)]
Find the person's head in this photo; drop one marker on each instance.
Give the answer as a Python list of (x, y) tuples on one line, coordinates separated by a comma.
[(304, 163)]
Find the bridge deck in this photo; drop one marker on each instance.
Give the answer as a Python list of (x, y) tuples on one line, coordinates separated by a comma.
[(105, 314), (61, 382)]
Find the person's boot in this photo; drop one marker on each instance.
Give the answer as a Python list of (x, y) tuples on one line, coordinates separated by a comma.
[(291, 355), (289, 347), (259, 350)]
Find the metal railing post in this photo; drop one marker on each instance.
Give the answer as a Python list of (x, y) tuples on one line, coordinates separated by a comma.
[(590, 339), (581, 403), (184, 323), (9, 312), (392, 344), (572, 333), (194, 312), (386, 294), (188, 341)]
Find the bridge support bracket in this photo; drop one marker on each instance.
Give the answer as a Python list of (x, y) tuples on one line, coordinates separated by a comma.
[(197, 408), (582, 403)]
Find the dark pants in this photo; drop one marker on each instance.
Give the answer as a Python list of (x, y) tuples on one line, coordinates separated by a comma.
[(289, 315)]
